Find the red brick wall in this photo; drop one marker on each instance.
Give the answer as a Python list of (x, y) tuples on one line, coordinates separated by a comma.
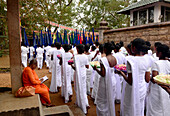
[(151, 32)]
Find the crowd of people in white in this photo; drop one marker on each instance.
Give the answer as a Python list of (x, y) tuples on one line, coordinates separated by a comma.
[(135, 90)]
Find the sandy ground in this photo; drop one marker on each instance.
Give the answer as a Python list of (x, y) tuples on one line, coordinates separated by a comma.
[(5, 81)]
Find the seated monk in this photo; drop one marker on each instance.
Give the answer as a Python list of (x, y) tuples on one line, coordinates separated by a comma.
[(30, 78)]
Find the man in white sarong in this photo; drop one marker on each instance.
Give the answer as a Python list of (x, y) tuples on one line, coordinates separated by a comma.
[(47, 56), (24, 54), (56, 69), (39, 57)]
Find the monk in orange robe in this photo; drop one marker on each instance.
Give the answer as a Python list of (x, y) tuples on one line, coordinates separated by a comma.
[(30, 78)]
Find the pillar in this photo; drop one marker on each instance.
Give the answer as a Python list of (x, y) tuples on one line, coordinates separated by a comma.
[(14, 43)]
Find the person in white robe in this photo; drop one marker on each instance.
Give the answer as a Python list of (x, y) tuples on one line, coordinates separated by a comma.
[(135, 89), (106, 92), (31, 50), (158, 103), (47, 56), (39, 57), (122, 48), (56, 69), (50, 51), (97, 76), (92, 52), (80, 65), (24, 55), (120, 57), (89, 70), (66, 88), (155, 46)]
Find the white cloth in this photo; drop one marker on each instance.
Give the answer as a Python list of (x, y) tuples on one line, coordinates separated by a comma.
[(56, 72), (80, 81), (96, 80), (89, 74), (50, 51), (106, 92), (31, 50), (39, 57), (24, 52), (158, 103), (134, 96), (47, 60), (155, 57), (123, 89), (123, 51), (66, 76), (121, 59)]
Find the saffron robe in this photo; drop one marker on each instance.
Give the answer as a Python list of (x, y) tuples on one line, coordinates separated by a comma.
[(30, 78)]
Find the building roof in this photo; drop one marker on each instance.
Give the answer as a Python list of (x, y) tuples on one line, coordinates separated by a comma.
[(139, 4)]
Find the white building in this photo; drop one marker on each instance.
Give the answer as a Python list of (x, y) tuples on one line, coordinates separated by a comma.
[(148, 11)]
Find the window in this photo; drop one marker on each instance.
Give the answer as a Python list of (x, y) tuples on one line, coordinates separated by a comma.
[(151, 15), (142, 17), (135, 18), (165, 13)]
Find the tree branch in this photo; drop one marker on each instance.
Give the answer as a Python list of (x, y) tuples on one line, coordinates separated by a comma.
[(69, 3)]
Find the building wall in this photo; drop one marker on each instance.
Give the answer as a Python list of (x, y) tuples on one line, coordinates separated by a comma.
[(151, 32)]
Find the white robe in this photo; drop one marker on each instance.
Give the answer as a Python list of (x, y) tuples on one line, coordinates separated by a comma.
[(47, 60), (106, 92), (89, 74), (120, 58), (32, 49), (134, 96), (39, 57), (56, 72), (80, 81), (123, 89), (50, 51), (24, 52), (96, 81), (66, 87), (158, 103)]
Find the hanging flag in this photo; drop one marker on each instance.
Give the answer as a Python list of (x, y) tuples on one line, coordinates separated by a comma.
[(65, 37), (34, 44), (41, 39), (80, 41), (97, 38), (54, 38), (49, 37), (93, 38), (71, 39), (61, 40), (58, 39), (25, 38)]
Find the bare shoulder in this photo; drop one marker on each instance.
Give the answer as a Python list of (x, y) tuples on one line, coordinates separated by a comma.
[(111, 60)]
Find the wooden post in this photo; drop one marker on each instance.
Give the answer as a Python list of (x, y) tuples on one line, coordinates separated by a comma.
[(14, 43)]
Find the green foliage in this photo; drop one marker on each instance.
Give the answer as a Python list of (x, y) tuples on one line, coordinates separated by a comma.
[(34, 14), (94, 11)]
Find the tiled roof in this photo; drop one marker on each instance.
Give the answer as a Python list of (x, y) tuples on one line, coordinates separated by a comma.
[(139, 4)]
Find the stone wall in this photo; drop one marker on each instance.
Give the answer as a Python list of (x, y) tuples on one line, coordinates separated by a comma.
[(150, 32)]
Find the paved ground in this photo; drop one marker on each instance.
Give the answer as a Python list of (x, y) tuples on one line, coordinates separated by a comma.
[(56, 98)]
